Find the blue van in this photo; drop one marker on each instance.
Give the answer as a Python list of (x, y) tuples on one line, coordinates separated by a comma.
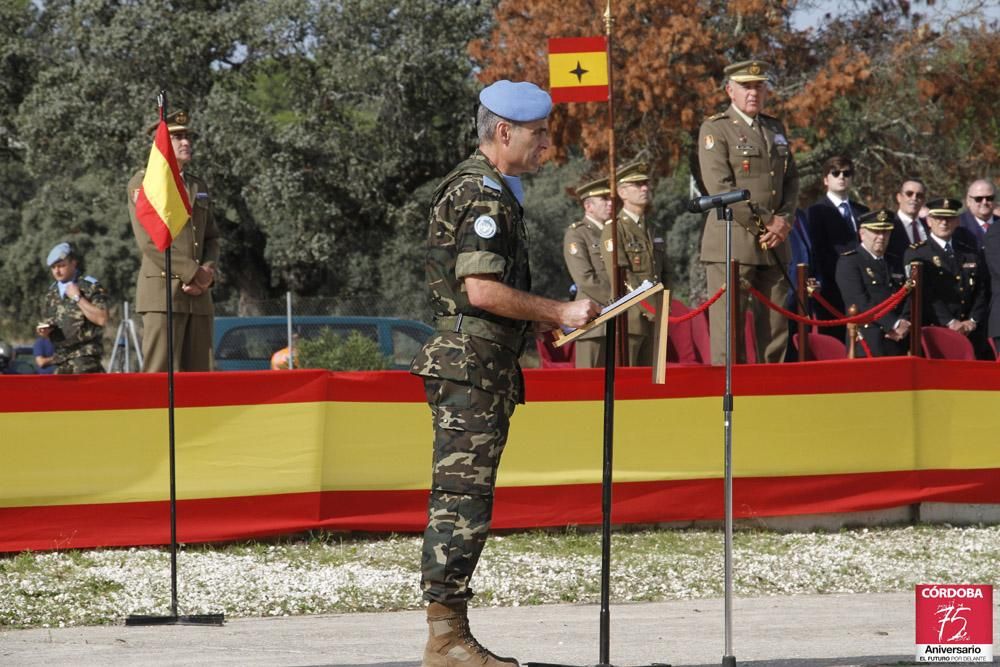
[(247, 343)]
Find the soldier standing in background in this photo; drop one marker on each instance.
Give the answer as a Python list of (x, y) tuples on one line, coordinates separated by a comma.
[(193, 257), (640, 255), (478, 277), (582, 254), (76, 311), (745, 149)]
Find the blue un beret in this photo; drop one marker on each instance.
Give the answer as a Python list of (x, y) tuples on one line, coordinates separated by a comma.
[(61, 251), (521, 102)]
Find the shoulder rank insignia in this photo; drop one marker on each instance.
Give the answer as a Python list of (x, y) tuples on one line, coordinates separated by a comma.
[(849, 252), (721, 114), (491, 184), (918, 245)]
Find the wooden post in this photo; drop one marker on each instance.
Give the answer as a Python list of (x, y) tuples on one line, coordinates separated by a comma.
[(737, 324), (916, 310), (852, 333), (800, 291)]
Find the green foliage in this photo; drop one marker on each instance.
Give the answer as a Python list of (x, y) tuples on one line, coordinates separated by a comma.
[(334, 352)]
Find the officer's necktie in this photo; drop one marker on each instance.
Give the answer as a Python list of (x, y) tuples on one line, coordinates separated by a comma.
[(947, 249), (915, 231)]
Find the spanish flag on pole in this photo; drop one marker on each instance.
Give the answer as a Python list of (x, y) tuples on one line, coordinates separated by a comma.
[(578, 69), (162, 204)]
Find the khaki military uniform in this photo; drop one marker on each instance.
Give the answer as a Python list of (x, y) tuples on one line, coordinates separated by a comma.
[(582, 254), (196, 245), (640, 259), (734, 155), (470, 367), (78, 342)]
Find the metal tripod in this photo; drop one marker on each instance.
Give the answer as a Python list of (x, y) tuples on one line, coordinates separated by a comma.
[(125, 340)]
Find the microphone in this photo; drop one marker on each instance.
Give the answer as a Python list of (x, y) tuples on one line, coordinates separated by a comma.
[(702, 204)]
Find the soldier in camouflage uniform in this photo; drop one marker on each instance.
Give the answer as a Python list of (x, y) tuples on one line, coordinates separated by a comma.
[(76, 312), (477, 272), (582, 254)]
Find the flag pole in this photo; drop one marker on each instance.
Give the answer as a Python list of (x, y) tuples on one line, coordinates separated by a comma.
[(173, 618), (617, 279)]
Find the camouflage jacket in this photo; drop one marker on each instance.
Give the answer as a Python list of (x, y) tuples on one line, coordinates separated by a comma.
[(476, 227), (73, 335)]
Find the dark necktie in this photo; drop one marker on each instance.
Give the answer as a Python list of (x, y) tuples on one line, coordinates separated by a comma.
[(845, 213)]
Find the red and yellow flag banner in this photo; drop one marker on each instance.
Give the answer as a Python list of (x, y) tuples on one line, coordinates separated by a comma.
[(162, 204), (578, 69)]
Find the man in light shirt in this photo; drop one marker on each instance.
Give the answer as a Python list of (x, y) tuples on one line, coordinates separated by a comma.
[(908, 227), (978, 214)]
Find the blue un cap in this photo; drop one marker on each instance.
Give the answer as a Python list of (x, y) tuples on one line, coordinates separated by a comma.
[(521, 102), (61, 251)]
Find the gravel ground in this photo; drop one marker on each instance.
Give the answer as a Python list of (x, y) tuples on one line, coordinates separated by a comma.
[(330, 574)]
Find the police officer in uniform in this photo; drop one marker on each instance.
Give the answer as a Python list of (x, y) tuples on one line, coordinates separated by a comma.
[(865, 279), (954, 274), (582, 254), (744, 149), (640, 255), (478, 277), (194, 255), (77, 310)]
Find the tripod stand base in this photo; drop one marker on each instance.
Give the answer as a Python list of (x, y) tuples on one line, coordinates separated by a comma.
[(192, 619)]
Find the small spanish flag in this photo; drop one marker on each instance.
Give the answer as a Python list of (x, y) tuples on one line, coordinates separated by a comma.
[(578, 69), (162, 204)]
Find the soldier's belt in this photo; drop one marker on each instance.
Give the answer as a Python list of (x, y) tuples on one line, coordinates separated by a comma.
[(509, 337)]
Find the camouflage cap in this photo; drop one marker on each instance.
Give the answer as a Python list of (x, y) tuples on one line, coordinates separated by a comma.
[(877, 221), (633, 172), (944, 207), (600, 187), (177, 121), (747, 70)]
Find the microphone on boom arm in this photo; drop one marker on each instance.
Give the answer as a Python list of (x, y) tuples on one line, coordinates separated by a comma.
[(702, 204)]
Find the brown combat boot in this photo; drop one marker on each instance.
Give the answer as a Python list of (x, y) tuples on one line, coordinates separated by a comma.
[(450, 642)]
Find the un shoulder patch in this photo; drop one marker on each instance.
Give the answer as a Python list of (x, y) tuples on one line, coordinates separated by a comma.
[(485, 226)]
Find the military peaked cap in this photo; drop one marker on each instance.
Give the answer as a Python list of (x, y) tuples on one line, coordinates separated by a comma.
[(177, 121), (748, 70), (597, 188), (877, 221), (633, 172), (944, 207)]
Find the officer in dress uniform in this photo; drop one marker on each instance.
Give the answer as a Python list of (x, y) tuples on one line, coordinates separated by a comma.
[(194, 255), (865, 279), (582, 254), (641, 255), (744, 149), (77, 310), (478, 278), (954, 275)]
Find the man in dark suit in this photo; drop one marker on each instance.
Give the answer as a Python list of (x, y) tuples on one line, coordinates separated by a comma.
[(865, 280), (991, 249), (833, 228), (908, 228), (978, 215), (954, 276)]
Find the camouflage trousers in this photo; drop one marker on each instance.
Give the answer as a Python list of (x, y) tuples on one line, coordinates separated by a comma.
[(78, 365), (470, 431)]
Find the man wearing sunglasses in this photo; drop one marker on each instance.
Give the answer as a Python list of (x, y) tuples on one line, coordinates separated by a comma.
[(832, 223), (908, 228), (978, 214)]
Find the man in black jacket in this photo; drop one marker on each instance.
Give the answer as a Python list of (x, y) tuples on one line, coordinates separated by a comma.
[(866, 280)]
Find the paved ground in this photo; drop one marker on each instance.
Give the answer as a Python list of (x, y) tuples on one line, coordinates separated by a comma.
[(807, 631)]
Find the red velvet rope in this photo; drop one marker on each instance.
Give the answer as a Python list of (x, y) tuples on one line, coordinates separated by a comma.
[(691, 314), (869, 315)]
